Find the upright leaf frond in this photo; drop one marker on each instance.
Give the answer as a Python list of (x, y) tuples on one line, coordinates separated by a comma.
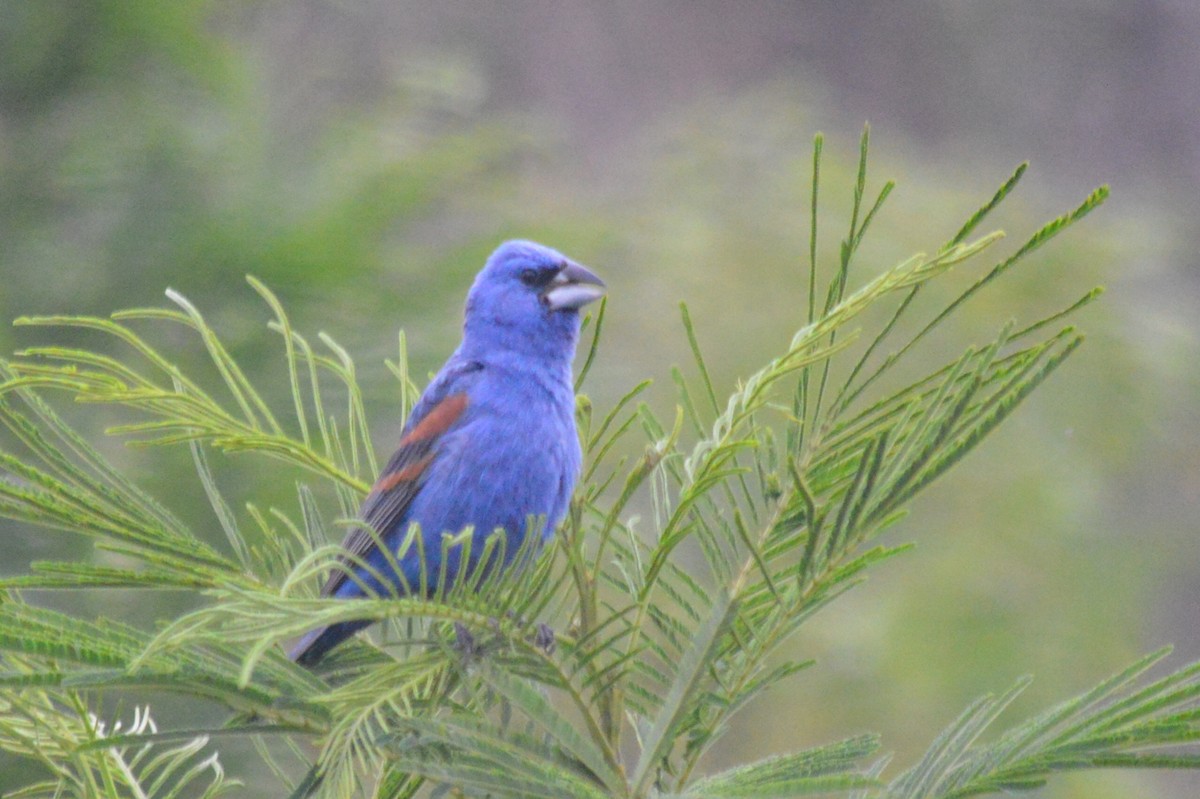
[(766, 504)]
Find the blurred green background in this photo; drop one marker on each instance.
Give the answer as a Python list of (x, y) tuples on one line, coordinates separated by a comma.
[(364, 157)]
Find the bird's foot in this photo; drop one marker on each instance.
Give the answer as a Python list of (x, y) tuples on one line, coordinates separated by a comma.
[(465, 643), (544, 638), (470, 647)]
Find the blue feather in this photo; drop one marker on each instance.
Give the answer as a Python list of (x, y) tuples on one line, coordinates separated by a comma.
[(490, 444)]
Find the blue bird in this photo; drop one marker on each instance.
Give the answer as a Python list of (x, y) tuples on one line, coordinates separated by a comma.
[(491, 443)]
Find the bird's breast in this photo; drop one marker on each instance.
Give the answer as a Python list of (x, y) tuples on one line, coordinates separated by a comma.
[(515, 455)]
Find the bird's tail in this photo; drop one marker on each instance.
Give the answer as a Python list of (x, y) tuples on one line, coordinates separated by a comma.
[(315, 643)]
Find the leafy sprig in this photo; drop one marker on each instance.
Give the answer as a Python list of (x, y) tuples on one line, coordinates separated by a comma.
[(767, 507)]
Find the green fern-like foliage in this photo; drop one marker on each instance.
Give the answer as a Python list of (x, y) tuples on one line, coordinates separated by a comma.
[(767, 506)]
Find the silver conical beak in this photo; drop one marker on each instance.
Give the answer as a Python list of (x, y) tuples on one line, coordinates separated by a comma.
[(572, 288)]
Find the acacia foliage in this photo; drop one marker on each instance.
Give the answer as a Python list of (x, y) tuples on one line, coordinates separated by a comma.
[(767, 506)]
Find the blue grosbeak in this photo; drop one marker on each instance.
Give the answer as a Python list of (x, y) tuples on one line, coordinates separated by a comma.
[(490, 444)]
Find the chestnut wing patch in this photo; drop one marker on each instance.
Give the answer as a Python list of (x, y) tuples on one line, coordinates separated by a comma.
[(397, 485)]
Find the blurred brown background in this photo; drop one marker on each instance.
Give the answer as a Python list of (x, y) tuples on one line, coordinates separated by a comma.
[(363, 158)]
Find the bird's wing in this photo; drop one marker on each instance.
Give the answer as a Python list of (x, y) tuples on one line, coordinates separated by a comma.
[(440, 408)]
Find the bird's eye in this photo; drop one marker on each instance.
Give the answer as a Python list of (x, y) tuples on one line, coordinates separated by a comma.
[(531, 277)]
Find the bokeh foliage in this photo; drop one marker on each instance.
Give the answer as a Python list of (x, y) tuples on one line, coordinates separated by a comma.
[(152, 145), (779, 497)]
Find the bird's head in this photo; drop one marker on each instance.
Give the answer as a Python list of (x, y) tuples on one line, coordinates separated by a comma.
[(527, 298)]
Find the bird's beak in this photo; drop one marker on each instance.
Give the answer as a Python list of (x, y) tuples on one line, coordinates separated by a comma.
[(572, 288)]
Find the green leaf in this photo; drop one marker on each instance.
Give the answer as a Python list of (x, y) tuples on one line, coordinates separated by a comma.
[(471, 754), (592, 752), (688, 679), (824, 769), (1113, 725)]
